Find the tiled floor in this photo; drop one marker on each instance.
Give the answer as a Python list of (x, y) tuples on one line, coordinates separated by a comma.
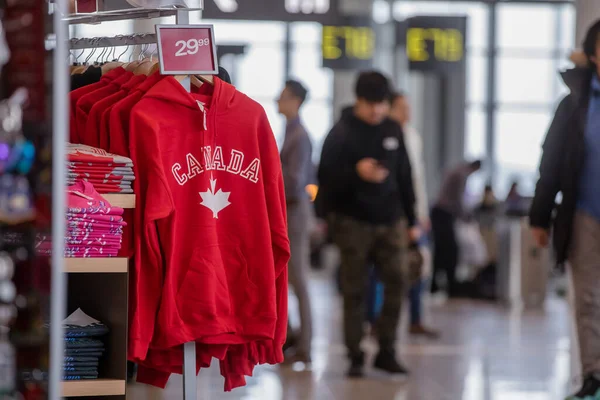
[(486, 353)]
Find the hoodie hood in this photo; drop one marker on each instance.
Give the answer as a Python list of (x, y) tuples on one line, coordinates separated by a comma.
[(347, 112), (222, 97), (171, 91), (578, 78)]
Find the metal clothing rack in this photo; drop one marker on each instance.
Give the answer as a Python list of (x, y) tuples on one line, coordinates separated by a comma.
[(182, 18), (115, 41)]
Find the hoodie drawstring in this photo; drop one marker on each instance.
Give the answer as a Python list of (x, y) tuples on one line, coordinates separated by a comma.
[(204, 125)]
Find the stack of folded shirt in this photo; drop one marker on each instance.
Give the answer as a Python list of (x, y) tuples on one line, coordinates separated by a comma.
[(94, 227), (109, 173), (83, 349)]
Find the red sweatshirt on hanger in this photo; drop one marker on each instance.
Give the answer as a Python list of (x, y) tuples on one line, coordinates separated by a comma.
[(209, 184), (87, 101), (117, 120), (127, 89), (75, 95), (120, 115), (93, 124)]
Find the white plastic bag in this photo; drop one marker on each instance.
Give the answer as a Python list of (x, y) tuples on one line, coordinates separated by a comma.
[(472, 250)]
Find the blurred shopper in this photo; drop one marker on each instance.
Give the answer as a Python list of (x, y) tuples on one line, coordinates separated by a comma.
[(366, 187), (297, 167), (571, 165), (401, 113), (448, 208), (513, 193)]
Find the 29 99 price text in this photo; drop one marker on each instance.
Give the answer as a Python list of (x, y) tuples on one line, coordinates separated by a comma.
[(190, 47)]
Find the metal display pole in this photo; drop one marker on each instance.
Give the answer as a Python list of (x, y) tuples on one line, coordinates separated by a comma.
[(60, 121), (189, 349)]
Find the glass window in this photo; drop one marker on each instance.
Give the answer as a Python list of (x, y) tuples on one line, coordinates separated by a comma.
[(317, 112), (318, 119), (519, 138), (259, 78), (306, 67), (525, 25), (477, 78), (525, 80), (275, 119), (475, 139), (567, 23)]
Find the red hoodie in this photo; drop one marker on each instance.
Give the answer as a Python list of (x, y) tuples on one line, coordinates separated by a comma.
[(94, 127), (76, 94), (87, 101), (118, 128), (210, 199)]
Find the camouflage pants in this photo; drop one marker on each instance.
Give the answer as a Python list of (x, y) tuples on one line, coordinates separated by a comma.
[(360, 243), (584, 262)]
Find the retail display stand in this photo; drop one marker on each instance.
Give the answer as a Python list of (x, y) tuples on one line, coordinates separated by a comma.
[(100, 285)]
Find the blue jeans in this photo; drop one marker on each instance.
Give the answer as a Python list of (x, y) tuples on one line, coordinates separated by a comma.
[(374, 296), (415, 296), (375, 299)]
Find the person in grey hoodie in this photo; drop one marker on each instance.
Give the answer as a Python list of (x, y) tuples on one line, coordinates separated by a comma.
[(297, 168)]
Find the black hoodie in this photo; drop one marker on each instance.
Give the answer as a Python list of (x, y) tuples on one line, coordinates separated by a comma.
[(340, 188)]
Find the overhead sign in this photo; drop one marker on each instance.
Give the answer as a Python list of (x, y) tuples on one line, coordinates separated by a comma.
[(187, 49), (272, 10), (434, 44), (350, 45)]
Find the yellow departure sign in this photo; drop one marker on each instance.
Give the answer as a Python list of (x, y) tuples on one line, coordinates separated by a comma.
[(348, 46), (446, 45), (435, 43)]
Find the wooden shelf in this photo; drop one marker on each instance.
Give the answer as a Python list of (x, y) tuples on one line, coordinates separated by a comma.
[(96, 265), (121, 200), (93, 387)]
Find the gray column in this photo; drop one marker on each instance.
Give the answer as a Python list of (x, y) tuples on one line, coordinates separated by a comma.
[(587, 12)]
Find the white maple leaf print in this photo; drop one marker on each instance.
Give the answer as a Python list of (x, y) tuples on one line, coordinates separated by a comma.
[(214, 201)]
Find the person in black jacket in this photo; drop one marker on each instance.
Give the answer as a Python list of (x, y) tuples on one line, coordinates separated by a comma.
[(365, 190), (570, 165)]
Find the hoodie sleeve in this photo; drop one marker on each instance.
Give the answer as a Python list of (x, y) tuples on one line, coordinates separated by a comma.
[(153, 202), (337, 171), (548, 185), (275, 198)]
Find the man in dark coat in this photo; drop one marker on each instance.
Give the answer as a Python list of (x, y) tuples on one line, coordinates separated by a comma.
[(571, 165), (366, 192)]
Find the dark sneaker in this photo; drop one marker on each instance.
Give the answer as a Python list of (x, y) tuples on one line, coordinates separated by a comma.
[(292, 357), (420, 330), (386, 361), (290, 341), (590, 390), (357, 364)]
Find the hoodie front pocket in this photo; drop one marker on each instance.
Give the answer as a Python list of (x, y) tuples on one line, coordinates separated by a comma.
[(212, 283)]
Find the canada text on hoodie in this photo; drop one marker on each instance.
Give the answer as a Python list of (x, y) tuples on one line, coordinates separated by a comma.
[(211, 242)]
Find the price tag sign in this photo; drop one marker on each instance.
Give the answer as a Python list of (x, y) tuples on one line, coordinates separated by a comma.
[(187, 50)]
